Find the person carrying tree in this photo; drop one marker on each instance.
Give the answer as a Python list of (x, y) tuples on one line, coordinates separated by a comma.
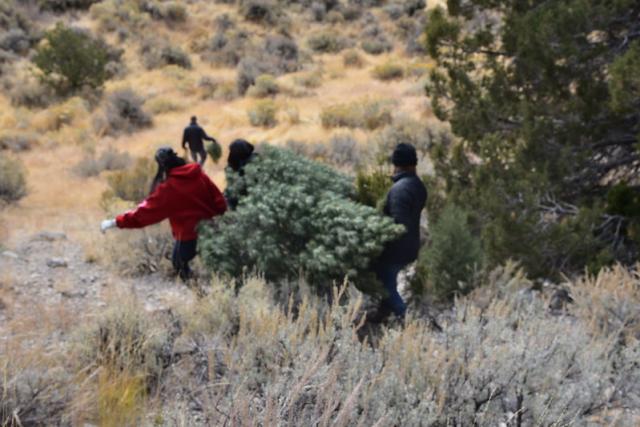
[(193, 136), (404, 204), (183, 193)]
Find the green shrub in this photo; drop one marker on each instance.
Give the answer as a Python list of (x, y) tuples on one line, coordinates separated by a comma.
[(131, 184), (369, 114), (295, 217), (446, 267), (13, 184), (263, 114), (264, 86), (372, 187), (327, 42), (71, 60), (388, 71)]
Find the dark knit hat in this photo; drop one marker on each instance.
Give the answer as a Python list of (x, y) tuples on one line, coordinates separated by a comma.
[(404, 155)]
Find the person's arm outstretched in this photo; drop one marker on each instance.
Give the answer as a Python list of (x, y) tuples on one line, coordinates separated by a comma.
[(207, 137), (151, 211)]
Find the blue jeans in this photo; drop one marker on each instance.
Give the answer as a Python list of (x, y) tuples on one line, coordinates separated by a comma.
[(183, 252), (388, 275)]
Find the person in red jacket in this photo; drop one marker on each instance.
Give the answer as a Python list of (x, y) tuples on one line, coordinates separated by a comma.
[(183, 193)]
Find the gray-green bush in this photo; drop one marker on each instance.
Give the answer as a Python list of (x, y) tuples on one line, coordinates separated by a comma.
[(109, 160), (295, 217), (124, 113), (279, 55), (158, 54)]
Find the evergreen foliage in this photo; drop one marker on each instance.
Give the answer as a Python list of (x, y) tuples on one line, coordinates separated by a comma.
[(544, 99), (295, 216), (372, 187), (71, 60), (446, 267)]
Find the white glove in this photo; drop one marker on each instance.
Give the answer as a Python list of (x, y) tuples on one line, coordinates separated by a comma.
[(107, 224)]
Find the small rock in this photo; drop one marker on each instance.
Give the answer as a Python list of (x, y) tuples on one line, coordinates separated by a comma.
[(10, 254), (56, 263), (50, 236)]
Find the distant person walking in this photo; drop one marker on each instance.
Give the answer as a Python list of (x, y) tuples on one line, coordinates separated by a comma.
[(404, 204), (183, 193), (193, 136)]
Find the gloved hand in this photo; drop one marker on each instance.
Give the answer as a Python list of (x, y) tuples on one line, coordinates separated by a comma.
[(107, 224)]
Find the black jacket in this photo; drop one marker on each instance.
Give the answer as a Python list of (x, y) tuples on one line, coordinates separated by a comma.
[(193, 135), (405, 202)]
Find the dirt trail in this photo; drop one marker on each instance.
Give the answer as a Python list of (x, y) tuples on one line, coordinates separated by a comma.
[(48, 273)]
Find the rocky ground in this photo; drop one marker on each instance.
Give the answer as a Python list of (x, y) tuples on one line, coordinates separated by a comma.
[(48, 270)]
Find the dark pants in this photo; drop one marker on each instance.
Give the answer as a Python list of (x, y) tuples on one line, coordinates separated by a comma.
[(200, 152), (183, 252), (392, 303)]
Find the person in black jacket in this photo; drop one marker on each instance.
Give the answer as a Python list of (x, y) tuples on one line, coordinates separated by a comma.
[(193, 136), (404, 204)]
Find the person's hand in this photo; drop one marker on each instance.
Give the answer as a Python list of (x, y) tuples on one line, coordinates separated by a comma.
[(107, 224)]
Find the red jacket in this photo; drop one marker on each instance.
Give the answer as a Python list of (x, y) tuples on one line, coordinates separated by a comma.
[(187, 197)]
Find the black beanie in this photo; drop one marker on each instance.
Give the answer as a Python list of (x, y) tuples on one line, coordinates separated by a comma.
[(404, 155)]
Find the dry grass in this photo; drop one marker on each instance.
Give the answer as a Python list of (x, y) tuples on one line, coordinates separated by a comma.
[(253, 358)]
